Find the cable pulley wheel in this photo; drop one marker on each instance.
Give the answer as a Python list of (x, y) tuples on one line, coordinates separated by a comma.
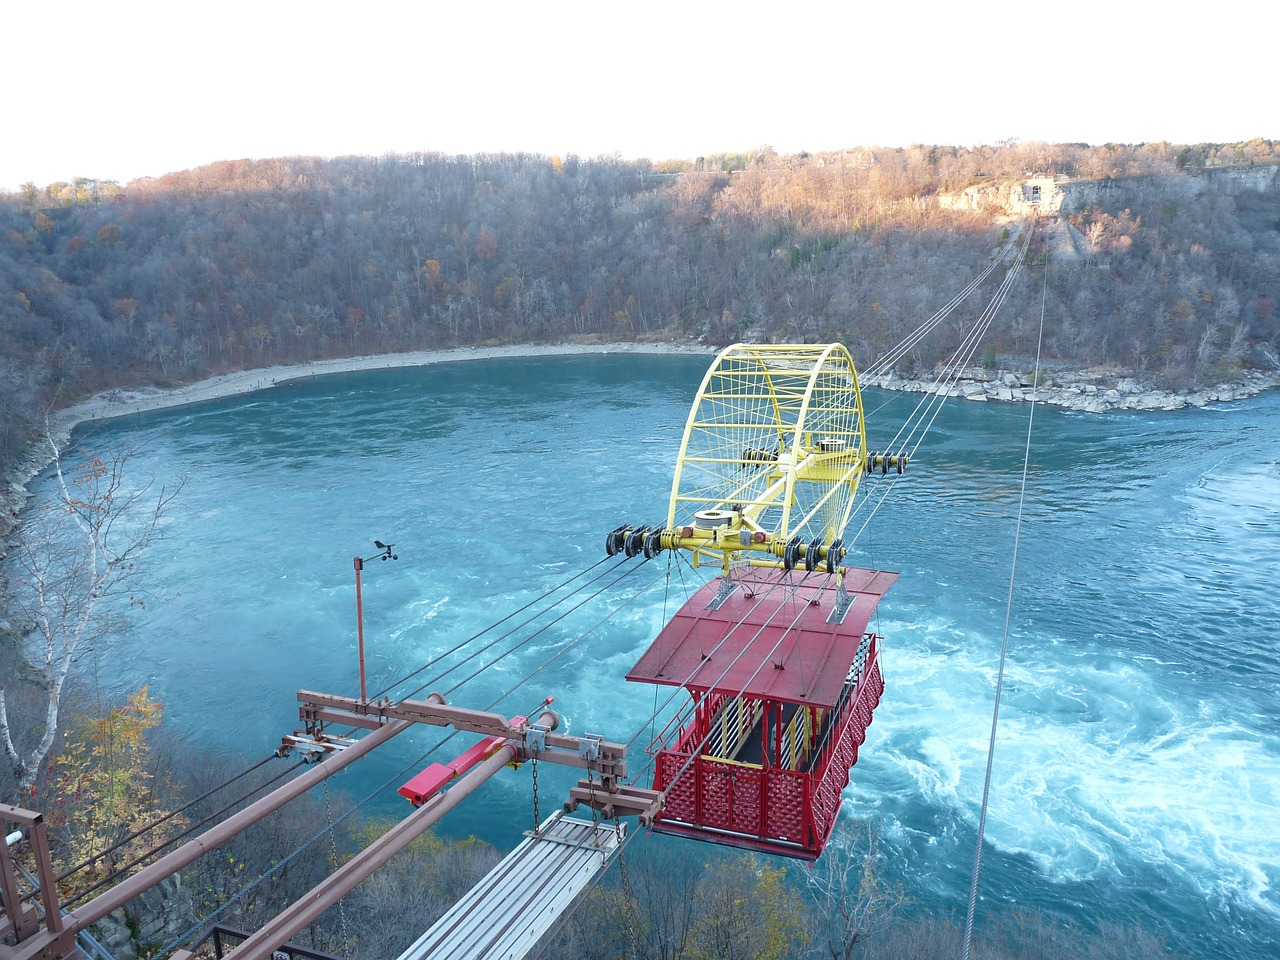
[(653, 545), (835, 553), (634, 543), (791, 554)]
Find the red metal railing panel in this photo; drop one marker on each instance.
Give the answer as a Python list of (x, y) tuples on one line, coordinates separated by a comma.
[(786, 810), (855, 719), (769, 804)]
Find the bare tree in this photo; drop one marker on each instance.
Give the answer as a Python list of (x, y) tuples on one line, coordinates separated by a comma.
[(391, 909), (852, 901), (746, 910), (76, 554)]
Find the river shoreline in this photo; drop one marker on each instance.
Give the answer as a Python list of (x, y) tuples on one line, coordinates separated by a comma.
[(1088, 391), (116, 403)]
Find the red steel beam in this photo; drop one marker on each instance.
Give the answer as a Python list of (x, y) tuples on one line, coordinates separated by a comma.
[(562, 748)]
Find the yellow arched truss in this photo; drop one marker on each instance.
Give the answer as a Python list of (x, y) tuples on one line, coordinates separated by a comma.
[(773, 451)]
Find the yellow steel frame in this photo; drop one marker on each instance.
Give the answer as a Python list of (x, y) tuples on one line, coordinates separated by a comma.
[(773, 451)]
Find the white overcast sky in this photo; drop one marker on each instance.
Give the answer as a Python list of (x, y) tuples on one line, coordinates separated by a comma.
[(118, 90)]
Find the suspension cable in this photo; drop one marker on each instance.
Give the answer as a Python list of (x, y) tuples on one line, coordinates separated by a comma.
[(529, 638), (914, 338), (148, 854), (547, 626), (930, 406), (414, 763), (793, 589), (965, 354), (158, 821), (573, 643), (395, 777), (286, 860), (926, 413), (580, 637), (886, 363), (927, 409), (1004, 645), (676, 689), (560, 586)]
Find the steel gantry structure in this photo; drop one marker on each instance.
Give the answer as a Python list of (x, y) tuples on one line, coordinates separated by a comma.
[(50, 933)]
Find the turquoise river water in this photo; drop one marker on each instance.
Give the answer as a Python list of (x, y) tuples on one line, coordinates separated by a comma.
[(1137, 775)]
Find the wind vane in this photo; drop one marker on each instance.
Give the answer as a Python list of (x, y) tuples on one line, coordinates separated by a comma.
[(385, 554)]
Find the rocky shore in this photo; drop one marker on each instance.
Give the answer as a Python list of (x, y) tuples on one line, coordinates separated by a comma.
[(1083, 390)]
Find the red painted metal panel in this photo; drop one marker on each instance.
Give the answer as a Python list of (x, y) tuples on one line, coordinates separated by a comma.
[(785, 816), (425, 785), (769, 640), (835, 777), (755, 803), (481, 751)]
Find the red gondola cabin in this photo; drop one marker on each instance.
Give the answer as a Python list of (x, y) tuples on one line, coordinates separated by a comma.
[(783, 678)]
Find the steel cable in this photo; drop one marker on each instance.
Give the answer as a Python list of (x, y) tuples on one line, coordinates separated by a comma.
[(1004, 651), (693, 755), (148, 854), (927, 410), (784, 580), (164, 819), (387, 783), (409, 676), (886, 362), (497, 640)]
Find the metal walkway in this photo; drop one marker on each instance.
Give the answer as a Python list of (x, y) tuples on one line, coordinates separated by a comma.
[(505, 915)]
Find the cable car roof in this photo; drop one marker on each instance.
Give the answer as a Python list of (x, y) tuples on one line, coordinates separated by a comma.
[(769, 640)]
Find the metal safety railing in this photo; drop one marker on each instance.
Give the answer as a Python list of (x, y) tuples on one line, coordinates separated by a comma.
[(796, 739), (731, 727), (224, 940)]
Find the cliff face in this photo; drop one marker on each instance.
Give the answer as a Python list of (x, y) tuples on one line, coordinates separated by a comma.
[(1050, 195)]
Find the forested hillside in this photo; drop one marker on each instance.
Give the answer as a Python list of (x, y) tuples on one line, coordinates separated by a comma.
[(1175, 272)]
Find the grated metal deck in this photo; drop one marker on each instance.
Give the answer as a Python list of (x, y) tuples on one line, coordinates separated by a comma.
[(505, 915)]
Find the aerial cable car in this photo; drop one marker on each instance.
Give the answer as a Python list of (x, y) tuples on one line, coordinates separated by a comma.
[(782, 673)]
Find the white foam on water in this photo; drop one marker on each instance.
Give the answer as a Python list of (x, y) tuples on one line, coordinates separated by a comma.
[(1097, 767)]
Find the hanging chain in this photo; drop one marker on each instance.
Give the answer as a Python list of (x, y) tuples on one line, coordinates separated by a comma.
[(537, 820), (595, 812), (628, 909), (629, 920), (333, 865)]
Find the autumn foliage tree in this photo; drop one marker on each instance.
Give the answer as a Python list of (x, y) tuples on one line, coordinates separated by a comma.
[(671, 903), (747, 911), (100, 792)]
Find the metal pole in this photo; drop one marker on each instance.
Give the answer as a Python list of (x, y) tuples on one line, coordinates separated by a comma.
[(360, 626), (22, 918), (308, 908)]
